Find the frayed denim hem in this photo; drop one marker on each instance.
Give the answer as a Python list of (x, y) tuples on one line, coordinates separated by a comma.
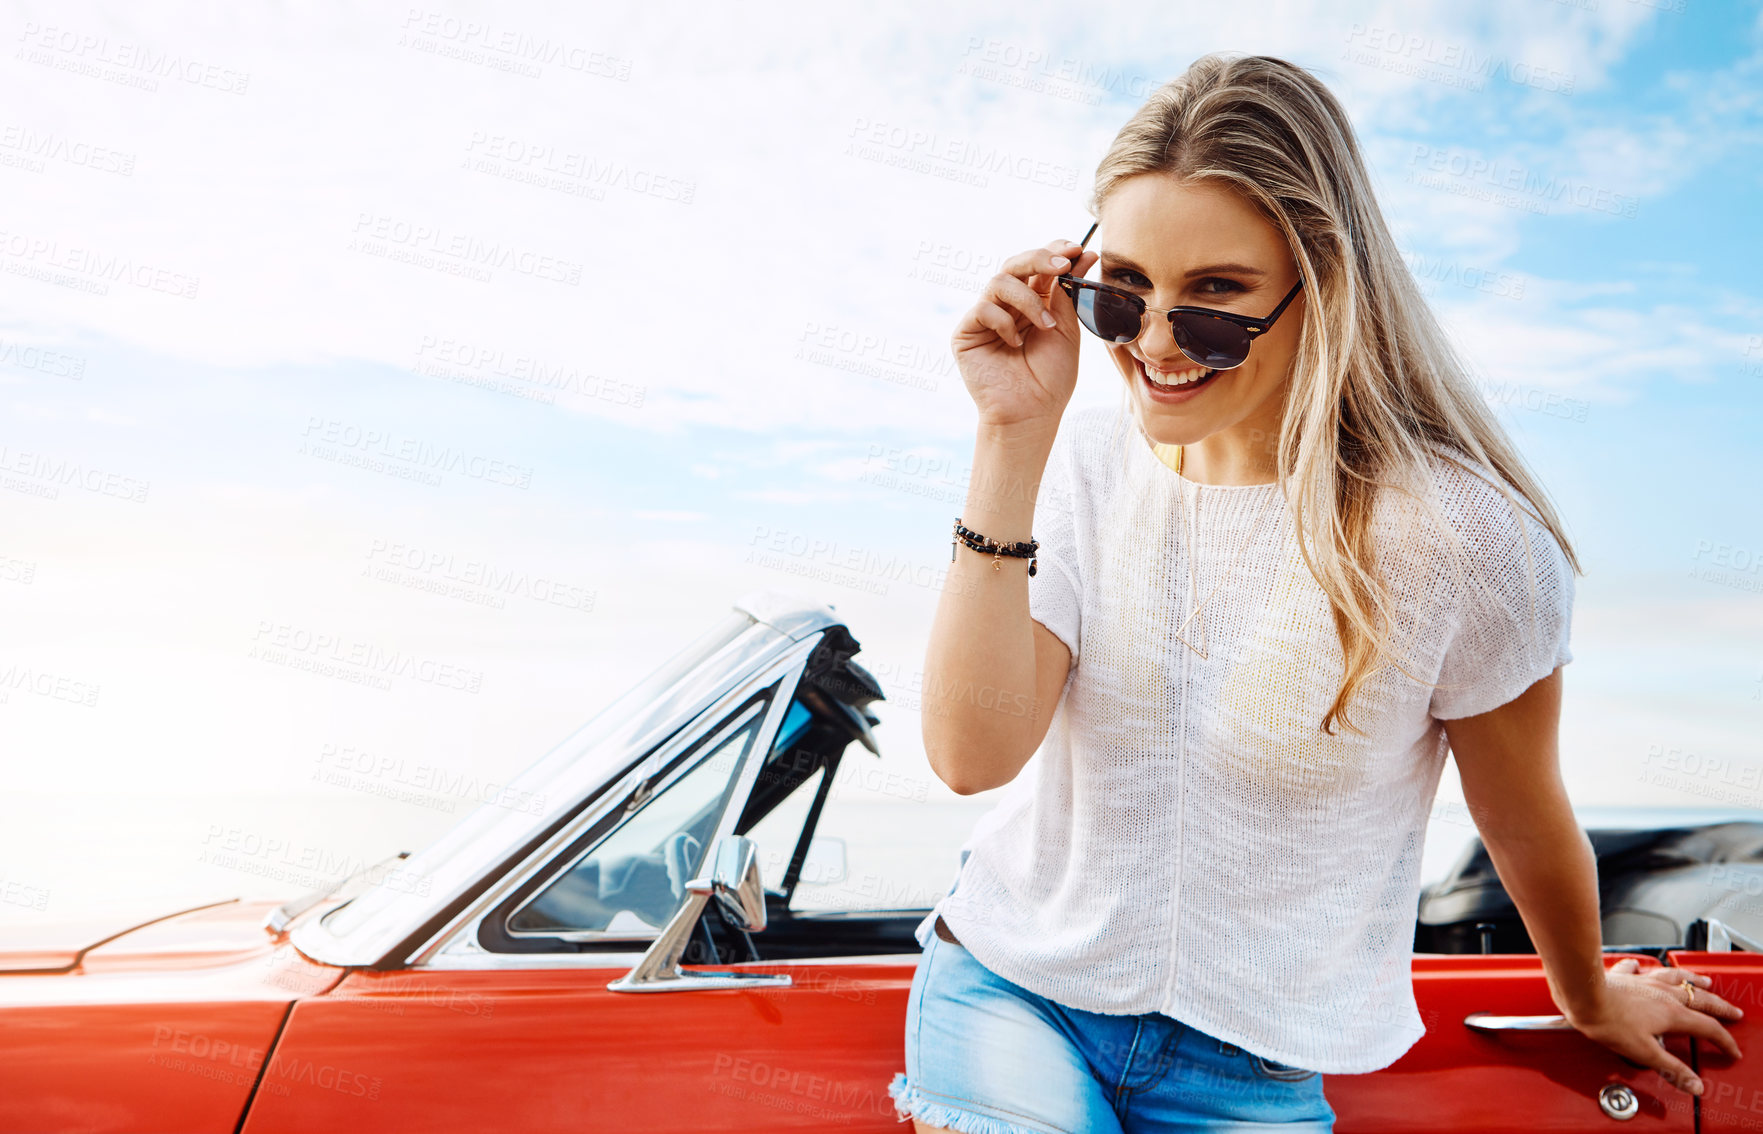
[(910, 1103)]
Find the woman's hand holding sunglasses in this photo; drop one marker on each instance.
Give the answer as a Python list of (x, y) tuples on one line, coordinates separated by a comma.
[(1018, 369)]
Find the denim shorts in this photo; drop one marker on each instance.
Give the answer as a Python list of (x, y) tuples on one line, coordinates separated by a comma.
[(987, 1056)]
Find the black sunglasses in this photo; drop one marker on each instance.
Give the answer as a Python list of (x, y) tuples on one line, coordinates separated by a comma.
[(1217, 340)]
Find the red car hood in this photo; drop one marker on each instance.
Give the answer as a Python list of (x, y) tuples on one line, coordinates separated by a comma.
[(228, 927)]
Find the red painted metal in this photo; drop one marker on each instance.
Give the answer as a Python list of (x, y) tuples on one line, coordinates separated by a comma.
[(56, 946), (1456, 1079), (161, 1029), (174, 1025), (1732, 1099), (554, 1050)]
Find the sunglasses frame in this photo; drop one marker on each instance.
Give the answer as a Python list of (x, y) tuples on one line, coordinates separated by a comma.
[(1252, 326)]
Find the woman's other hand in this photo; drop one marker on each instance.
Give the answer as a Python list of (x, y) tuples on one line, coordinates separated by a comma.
[(1640, 1008)]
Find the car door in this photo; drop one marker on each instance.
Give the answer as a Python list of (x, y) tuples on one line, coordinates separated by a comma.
[(539, 1049), (527, 1035), (1732, 1095), (1495, 1060)]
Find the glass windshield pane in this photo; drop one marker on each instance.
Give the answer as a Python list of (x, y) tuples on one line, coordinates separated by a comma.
[(635, 879), (629, 715)]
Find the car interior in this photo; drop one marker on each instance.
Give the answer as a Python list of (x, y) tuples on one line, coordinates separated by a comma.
[(1656, 887)]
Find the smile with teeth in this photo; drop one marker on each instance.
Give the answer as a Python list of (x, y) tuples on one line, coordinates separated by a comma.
[(1170, 380)]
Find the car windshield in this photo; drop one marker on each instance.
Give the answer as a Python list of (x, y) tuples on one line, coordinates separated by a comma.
[(632, 715), (633, 880), (636, 878)]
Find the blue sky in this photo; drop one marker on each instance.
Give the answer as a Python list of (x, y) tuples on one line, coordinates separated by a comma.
[(728, 254)]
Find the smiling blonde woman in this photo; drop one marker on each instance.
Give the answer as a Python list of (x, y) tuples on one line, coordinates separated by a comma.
[(1253, 609)]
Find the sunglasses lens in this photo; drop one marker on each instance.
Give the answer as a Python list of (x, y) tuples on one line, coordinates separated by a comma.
[(1109, 316), (1217, 344)]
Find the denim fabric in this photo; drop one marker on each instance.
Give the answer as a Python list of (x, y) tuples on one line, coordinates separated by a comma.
[(987, 1056)]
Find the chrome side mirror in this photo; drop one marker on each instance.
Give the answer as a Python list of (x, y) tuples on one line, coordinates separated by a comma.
[(735, 882)]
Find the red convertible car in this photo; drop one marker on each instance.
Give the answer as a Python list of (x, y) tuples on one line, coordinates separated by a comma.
[(612, 959)]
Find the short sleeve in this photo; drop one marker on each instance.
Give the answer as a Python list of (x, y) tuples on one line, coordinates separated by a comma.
[(1055, 589), (1512, 609)]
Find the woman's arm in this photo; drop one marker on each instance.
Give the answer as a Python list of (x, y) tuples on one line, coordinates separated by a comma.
[(992, 675), (1509, 762)]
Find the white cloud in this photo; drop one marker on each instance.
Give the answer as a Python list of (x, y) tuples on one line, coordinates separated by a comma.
[(358, 125)]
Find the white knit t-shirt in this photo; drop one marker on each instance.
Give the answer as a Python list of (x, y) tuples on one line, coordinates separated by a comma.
[(1187, 840)]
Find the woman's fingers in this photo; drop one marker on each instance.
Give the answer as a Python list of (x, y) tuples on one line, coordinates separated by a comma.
[(1049, 260), (1661, 1011), (1085, 261), (997, 320), (1704, 998), (1697, 1018), (1710, 1029), (1715, 1005), (1674, 1070), (1007, 290), (1037, 267), (1024, 284), (1015, 292), (1671, 974)]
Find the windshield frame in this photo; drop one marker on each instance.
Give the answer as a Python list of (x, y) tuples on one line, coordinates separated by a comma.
[(385, 924)]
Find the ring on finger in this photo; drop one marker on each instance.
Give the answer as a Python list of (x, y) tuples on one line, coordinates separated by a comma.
[(1689, 994)]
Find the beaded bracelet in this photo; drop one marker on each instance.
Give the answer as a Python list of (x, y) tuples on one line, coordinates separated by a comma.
[(1024, 549)]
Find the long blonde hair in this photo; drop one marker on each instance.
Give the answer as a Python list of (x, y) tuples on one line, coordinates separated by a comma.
[(1377, 387)]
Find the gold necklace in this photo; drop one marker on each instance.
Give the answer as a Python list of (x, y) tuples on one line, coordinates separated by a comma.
[(1191, 532)]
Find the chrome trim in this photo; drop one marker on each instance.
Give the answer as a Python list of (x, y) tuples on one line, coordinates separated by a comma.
[(1618, 1101), (1489, 1022), (748, 773), (623, 960), (1722, 937), (282, 915), (735, 884), (285, 914), (786, 672), (366, 930), (504, 962)]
